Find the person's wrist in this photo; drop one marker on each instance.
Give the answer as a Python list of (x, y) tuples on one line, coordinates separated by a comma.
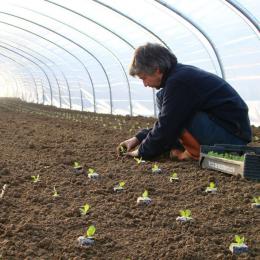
[(136, 141)]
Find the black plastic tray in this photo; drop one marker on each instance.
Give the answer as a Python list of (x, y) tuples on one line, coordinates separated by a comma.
[(249, 168)]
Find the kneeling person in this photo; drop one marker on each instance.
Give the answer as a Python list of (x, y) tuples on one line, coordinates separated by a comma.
[(195, 107)]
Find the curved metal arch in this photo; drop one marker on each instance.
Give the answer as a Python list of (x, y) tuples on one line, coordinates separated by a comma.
[(101, 44), (79, 45), (105, 28), (132, 20), (59, 46), (37, 65), (36, 89), (93, 21), (51, 61), (54, 75), (163, 3), (251, 21)]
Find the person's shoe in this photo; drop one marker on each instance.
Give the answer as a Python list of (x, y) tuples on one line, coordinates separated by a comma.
[(191, 145)]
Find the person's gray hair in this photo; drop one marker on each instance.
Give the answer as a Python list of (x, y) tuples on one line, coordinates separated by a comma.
[(150, 57)]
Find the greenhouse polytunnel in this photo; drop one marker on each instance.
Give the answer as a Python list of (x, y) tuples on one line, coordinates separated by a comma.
[(130, 129), (75, 54)]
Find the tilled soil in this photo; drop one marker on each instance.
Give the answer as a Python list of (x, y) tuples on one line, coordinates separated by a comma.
[(45, 141)]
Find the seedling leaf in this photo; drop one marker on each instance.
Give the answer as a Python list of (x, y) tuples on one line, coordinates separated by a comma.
[(84, 209), (174, 175), (91, 231), (55, 193), (155, 168), (239, 240), (35, 178), (122, 149), (139, 160), (185, 213), (76, 165), (91, 171), (212, 185), (122, 184), (145, 194), (256, 200)]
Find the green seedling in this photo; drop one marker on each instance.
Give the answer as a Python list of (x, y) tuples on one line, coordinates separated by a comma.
[(92, 174), (77, 165), (78, 168), (90, 232), (35, 178), (185, 213), (256, 202), (55, 193), (144, 199), (185, 216), (145, 194), (91, 171), (139, 160), (174, 177), (84, 209), (211, 188), (239, 246), (120, 186), (227, 156), (156, 169), (87, 239), (239, 240), (122, 150)]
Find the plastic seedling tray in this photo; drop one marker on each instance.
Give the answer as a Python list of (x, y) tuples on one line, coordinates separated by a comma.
[(238, 249), (144, 201), (248, 167), (85, 241)]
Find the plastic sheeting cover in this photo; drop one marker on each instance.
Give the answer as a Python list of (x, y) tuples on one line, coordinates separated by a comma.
[(75, 54)]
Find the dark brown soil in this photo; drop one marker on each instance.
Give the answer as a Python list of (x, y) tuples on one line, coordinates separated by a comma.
[(40, 140)]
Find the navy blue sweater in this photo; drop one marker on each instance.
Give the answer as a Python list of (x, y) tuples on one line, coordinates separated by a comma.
[(188, 90)]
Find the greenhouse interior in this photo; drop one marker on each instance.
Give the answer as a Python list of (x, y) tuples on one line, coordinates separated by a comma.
[(73, 88)]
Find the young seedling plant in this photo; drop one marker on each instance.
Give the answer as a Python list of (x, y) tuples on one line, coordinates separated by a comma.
[(78, 169), (239, 246), (156, 169), (139, 160), (84, 209), (119, 187), (174, 177), (144, 200), (256, 202), (227, 156), (87, 239), (185, 216), (92, 174), (55, 194), (35, 179), (122, 150), (211, 188)]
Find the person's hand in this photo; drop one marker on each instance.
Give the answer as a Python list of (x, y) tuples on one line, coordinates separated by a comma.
[(128, 144)]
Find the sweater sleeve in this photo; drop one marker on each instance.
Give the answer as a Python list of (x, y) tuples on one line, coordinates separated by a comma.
[(141, 135), (177, 108)]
